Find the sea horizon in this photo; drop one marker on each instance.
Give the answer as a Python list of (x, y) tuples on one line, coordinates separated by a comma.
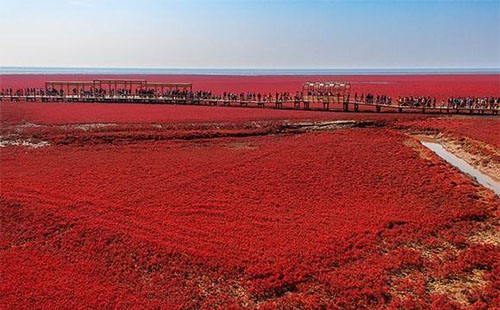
[(242, 71)]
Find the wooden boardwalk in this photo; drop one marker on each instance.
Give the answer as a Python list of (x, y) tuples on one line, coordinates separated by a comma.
[(292, 104)]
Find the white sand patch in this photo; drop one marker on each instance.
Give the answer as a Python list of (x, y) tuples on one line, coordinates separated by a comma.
[(5, 141), (87, 127), (29, 125)]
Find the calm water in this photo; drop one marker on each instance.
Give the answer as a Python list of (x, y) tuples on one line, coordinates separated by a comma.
[(75, 70), (463, 166)]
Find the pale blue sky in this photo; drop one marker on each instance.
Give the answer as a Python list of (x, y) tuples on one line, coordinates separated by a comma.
[(251, 33)]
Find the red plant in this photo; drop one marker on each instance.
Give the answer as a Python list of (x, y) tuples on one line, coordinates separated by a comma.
[(160, 212)]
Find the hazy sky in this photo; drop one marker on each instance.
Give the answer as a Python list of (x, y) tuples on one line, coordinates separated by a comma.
[(250, 33)]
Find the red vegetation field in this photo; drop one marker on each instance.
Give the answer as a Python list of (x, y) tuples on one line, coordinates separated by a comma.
[(166, 207), (64, 113)]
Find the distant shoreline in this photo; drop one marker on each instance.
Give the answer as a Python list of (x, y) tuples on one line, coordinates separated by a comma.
[(5, 70)]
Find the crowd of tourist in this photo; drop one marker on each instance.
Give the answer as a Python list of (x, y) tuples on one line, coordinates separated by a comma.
[(451, 102), (245, 97), (474, 102), (372, 99), (417, 102)]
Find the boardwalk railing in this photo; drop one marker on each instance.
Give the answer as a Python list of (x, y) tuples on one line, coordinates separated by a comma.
[(290, 104)]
